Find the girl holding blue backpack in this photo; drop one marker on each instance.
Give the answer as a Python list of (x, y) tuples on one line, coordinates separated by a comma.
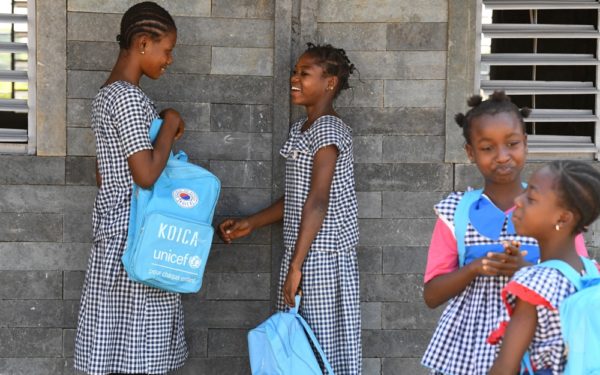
[(319, 211), (472, 254), (126, 327), (561, 201)]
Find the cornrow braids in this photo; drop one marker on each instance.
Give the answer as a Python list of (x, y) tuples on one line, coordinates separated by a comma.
[(334, 62), (498, 102), (144, 18), (578, 186)]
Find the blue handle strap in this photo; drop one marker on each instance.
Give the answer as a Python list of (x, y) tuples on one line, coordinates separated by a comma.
[(311, 335), (461, 220), (153, 133), (570, 273), (526, 364)]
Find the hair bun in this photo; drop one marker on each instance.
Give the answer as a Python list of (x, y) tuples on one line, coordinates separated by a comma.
[(474, 101), (460, 119), (525, 112), (118, 37)]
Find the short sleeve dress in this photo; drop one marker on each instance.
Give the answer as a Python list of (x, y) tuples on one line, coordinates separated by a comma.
[(123, 326), (545, 288), (459, 344), (330, 302)]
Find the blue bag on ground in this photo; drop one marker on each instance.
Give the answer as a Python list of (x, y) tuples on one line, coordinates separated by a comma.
[(580, 318), (280, 346), (170, 231)]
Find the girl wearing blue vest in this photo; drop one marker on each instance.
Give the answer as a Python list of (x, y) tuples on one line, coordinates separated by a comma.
[(319, 211), (125, 327), (561, 201), (468, 267)]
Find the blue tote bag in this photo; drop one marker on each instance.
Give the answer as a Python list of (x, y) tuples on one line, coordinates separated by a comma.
[(170, 231)]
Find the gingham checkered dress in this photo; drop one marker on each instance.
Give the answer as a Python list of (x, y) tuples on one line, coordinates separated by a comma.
[(123, 326), (458, 345), (330, 302), (538, 286)]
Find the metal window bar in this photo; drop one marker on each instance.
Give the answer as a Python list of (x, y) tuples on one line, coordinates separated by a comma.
[(22, 70), (540, 145)]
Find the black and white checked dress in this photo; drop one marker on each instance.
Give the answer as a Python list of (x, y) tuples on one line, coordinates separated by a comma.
[(459, 344), (330, 302), (545, 288), (123, 326)]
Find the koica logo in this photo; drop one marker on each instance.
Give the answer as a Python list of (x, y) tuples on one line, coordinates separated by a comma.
[(185, 198), (177, 234)]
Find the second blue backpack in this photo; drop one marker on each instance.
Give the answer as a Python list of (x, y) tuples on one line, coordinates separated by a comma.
[(170, 231), (281, 345), (579, 318)]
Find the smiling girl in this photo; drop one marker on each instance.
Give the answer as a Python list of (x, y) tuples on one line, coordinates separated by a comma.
[(125, 327), (319, 211)]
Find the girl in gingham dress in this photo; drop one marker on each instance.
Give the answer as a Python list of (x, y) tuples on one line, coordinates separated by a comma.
[(561, 201), (319, 211), (496, 142), (124, 326)]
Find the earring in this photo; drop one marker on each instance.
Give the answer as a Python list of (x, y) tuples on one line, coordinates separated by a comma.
[(142, 52), (557, 227)]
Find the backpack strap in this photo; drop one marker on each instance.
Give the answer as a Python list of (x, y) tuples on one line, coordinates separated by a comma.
[(311, 335), (461, 221), (569, 272), (526, 364)]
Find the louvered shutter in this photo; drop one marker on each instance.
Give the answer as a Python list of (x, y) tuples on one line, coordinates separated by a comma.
[(583, 122), (15, 73)]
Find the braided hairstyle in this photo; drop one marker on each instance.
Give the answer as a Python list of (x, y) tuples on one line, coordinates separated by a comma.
[(578, 187), (144, 18), (498, 102), (334, 62)]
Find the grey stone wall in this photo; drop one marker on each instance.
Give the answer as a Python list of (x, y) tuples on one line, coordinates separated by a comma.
[(230, 81)]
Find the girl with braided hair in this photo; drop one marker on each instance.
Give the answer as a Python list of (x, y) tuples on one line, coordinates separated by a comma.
[(470, 275), (561, 201), (319, 211), (125, 327)]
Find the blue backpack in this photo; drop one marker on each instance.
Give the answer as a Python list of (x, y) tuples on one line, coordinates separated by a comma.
[(170, 232), (580, 318), (280, 346)]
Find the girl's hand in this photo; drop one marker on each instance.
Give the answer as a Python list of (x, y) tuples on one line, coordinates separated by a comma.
[(230, 229), (171, 116), (291, 285), (506, 263)]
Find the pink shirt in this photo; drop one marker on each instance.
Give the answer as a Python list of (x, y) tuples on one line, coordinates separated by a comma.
[(443, 252)]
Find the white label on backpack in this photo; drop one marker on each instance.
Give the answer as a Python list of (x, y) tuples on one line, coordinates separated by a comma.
[(195, 262), (185, 198)]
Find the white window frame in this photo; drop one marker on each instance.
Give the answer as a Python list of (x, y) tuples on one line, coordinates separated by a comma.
[(30, 146)]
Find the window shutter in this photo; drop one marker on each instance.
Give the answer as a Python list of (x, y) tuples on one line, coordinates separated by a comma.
[(550, 66), (16, 86)]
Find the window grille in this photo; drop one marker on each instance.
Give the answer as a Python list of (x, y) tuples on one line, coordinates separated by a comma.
[(545, 55), (17, 68)]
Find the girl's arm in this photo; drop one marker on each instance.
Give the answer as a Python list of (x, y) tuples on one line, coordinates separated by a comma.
[(517, 338), (230, 229), (147, 165), (313, 214), (443, 287)]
